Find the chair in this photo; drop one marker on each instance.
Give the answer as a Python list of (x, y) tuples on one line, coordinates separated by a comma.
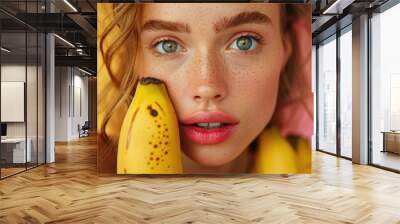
[(84, 130)]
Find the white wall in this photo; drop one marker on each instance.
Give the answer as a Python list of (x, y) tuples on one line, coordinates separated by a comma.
[(80, 110), (16, 73), (11, 73), (61, 103), (71, 94)]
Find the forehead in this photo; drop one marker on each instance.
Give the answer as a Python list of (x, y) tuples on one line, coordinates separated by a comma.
[(197, 14)]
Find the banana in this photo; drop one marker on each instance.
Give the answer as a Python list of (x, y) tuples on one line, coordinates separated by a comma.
[(303, 152), (149, 140), (274, 154)]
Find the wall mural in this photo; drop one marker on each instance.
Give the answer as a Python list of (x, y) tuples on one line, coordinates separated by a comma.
[(204, 88)]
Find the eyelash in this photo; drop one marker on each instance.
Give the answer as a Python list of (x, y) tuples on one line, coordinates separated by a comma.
[(153, 45), (257, 38)]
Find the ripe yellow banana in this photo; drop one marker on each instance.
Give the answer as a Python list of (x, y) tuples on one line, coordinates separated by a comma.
[(275, 155), (149, 138), (303, 151)]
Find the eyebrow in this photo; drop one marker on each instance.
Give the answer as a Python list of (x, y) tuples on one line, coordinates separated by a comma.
[(240, 19), (224, 23), (166, 25)]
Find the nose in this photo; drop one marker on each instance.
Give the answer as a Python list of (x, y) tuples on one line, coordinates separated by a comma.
[(207, 92), (208, 78)]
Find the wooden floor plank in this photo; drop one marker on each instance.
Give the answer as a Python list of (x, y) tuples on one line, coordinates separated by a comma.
[(70, 191)]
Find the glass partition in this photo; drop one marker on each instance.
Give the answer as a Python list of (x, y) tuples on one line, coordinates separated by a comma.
[(314, 88), (385, 89), (327, 95), (31, 100), (22, 90), (14, 151), (346, 93), (41, 87)]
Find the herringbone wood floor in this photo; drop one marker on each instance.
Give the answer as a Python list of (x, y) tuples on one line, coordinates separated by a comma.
[(70, 191)]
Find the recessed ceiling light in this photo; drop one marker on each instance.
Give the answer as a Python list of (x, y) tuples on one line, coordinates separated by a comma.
[(337, 7), (64, 40), (84, 71), (5, 50), (70, 5)]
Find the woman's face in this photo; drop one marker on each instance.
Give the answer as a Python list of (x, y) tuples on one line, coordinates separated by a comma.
[(221, 66)]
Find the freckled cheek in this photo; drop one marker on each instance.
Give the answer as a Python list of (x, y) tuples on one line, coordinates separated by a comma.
[(148, 64), (178, 98), (148, 68), (256, 93)]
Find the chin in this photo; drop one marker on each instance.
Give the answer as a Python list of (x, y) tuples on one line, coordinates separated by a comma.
[(209, 155)]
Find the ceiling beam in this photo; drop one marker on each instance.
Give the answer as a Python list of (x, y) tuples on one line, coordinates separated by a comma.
[(82, 61), (84, 24), (337, 7)]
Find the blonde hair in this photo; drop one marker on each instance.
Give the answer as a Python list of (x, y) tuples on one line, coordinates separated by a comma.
[(124, 80)]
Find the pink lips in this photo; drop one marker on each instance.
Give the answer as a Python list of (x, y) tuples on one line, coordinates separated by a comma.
[(203, 135)]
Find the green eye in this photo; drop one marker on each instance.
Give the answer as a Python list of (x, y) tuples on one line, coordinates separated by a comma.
[(244, 43), (167, 47)]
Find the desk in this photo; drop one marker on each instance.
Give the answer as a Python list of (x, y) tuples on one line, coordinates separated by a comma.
[(391, 141), (16, 147)]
